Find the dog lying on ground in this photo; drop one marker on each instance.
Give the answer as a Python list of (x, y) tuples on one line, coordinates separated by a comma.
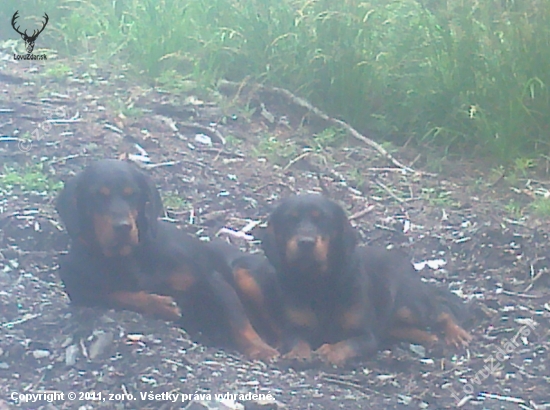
[(341, 300), (123, 256)]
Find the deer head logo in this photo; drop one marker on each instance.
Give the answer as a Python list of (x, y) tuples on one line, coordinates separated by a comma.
[(29, 40)]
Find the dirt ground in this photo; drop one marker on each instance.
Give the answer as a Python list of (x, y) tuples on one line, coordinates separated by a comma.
[(495, 262)]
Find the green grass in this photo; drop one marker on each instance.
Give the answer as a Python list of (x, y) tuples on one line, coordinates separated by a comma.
[(438, 197), (172, 81), (357, 178), (233, 141), (329, 137), (468, 78), (541, 207), (274, 150), (27, 178), (515, 209), (174, 201), (118, 106), (58, 71), (523, 165)]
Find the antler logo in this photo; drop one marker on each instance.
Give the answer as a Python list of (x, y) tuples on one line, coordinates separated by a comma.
[(29, 40)]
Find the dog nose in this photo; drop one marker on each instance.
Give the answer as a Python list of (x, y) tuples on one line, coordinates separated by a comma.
[(122, 226)]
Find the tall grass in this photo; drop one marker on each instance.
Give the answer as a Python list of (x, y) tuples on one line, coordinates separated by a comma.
[(468, 76)]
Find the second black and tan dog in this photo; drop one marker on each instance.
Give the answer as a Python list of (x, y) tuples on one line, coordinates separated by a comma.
[(341, 300)]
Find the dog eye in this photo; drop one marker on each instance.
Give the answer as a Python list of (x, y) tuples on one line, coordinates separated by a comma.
[(104, 192), (315, 215), (128, 192), (292, 217)]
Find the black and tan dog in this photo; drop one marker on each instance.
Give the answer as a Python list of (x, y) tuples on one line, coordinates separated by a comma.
[(342, 300), (256, 283), (122, 256)]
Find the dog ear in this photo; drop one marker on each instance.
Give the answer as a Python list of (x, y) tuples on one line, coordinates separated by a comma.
[(151, 207), (68, 209), (270, 247), (348, 235)]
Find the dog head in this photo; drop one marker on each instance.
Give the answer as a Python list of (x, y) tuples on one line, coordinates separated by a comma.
[(309, 233), (111, 206)]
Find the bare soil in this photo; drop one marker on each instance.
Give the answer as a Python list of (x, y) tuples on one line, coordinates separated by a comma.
[(495, 262)]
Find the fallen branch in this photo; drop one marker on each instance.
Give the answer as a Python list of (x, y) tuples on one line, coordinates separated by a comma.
[(361, 213), (316, 111)]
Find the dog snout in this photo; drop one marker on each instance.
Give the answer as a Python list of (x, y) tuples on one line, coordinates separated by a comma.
[(122, 226), (306, 242)]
